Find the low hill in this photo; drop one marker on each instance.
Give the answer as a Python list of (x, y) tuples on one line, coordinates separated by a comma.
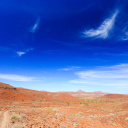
[(83, 94), (115, 96), (8, 92), (64, 97), (6, 86)]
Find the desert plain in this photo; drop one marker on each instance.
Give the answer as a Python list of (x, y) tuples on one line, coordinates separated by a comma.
[(25, 108)]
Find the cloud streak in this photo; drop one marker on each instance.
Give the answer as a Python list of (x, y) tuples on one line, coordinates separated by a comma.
[(103, 30), (116, 75), (35, 26), (13, 77), (125, 36), (125, 54), (69, 68), (20, 53)]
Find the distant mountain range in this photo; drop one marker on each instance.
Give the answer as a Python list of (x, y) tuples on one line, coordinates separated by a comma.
[(8, 92), (83, 94)]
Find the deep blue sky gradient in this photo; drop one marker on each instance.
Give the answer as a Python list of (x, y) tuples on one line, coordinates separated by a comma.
[(58, 41)]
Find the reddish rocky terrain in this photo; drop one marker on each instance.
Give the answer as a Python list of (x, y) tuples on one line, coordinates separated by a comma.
[(24, 108), (10, 93), (82, 94), (115, 96)]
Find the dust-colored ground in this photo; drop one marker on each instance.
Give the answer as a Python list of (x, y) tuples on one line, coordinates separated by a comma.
[(53, 110), (5, 119)]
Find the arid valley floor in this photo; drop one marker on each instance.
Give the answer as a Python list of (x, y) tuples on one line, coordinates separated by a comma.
[(24, 108)]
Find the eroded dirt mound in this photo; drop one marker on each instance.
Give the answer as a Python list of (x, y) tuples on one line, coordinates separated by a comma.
[(13, 96), (115, 96), (6, 86), (10, 93), (123, 106), (64, 97)]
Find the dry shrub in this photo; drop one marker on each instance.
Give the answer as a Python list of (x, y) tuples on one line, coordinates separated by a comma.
[(15, 116)]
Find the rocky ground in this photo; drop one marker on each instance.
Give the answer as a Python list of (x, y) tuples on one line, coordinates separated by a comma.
[(24, 108), (94, 113)]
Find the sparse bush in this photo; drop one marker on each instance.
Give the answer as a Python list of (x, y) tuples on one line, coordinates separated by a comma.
[(126, 119), (15, 116), (89, 110), (63, 126), (111, 114), (80, 112), (78, 115), (91, 116), (50, 108), (68, 103), (55, 110), (86, 104)]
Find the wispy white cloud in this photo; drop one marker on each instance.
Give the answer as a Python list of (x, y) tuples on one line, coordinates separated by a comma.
[(20, 53), (116, 75), (13, 77), (125, 34), (103, 30), (125, 37), (35, 26), (69, 68), (113, 54)]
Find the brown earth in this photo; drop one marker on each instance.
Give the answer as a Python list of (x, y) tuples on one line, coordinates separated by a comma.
[(82, 94), (24, 108), (10, 93), (6, 86), (5, 119), (115, 96)]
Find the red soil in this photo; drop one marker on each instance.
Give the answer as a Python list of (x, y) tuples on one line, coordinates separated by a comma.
[(37, 109), (64, 97), (8, 92), (115, 96), (85, 95), (6, 86)]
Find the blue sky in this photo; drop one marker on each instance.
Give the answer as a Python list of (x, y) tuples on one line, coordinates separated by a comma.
[(65, 45)]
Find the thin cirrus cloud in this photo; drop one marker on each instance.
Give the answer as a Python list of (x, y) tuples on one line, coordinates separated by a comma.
[(20, 53), (35, 26), (125, 54), (103, 30), (69, 68), (125, 37), (116, 75), (13, 77)]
